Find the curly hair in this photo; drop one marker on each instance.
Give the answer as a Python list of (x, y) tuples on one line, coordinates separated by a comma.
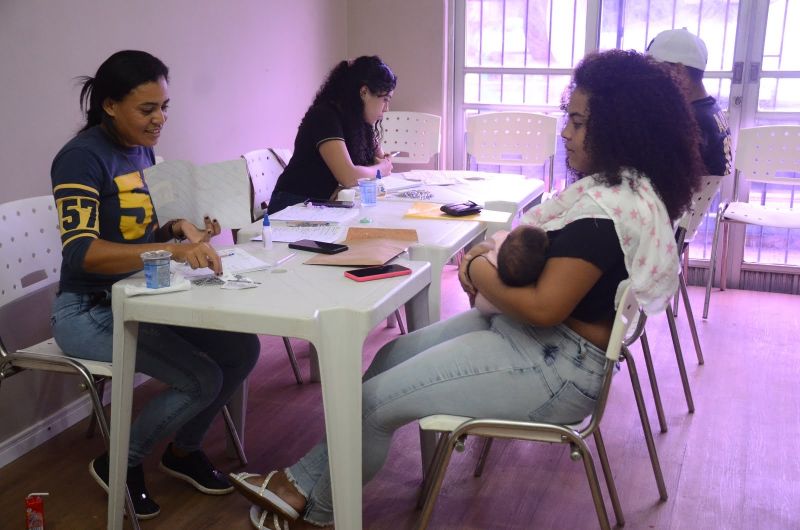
[(342, 90), (638, 118)]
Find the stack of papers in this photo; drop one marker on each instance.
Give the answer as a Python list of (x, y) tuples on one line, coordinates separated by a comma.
[(318, 214), (394, 183)]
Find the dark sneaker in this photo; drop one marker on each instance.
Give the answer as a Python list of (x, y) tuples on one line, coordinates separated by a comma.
[(195, 469), (144, 506)]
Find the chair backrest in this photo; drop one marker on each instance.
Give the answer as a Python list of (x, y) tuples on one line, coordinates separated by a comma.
[(415, 134), (30, 260), (762, 152), (690, 221), (511, 138), (283, 154), (627, 312), (264, 169)]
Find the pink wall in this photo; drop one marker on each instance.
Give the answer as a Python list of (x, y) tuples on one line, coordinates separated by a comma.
[(410, 36), (243, 73)]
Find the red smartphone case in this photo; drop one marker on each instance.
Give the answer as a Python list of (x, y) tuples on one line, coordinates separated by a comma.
[(379, 276)]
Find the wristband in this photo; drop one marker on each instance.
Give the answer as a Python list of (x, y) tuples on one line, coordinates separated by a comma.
[(469, 264)]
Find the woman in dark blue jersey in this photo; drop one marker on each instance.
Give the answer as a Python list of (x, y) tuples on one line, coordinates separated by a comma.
[(107, 220)]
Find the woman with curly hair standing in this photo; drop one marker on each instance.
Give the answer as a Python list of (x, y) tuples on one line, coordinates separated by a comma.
[(632, 143), (338, 141)]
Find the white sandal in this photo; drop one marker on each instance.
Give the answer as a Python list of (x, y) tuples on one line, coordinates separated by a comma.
[(261, 496), (258, 516)]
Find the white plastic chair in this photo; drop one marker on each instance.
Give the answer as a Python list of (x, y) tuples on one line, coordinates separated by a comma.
[(416, 135), (513, 139), (30, 257), (688, 225), (455, 428), (761, 154), (264, 168), (283, 154)]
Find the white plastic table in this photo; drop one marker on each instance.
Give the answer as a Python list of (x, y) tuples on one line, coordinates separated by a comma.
[(507, 192), (315, 303), (438, 240)]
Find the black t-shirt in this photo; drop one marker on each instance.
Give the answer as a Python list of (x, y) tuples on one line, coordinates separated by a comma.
[(307, 174), (595, 241), (715, 147)]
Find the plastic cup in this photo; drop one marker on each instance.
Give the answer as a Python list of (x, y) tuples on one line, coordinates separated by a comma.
[(156, 268), (369, 192), (346, 195)]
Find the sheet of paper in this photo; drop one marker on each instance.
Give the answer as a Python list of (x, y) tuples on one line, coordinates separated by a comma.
[(397, 182), (234, 260), (432, 177), (320, 214), (289, 233), (181, 189), (363, 252)]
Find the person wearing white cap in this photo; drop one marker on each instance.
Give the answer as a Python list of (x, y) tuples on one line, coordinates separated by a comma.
[(687, 55)]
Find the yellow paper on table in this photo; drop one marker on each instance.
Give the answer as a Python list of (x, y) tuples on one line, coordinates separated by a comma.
[(429, 210)]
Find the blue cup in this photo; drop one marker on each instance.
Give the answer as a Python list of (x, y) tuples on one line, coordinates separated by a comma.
[(369, 192), (156, 268)]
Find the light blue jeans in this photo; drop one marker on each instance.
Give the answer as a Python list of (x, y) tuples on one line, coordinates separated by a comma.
[(469, 365), (201, 367)]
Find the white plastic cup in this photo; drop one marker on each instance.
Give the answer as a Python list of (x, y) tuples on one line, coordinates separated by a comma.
[(156, 268), (347, 195), (369, 192)]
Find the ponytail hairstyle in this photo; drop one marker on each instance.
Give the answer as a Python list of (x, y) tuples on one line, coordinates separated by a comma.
[(342, 89), (116, 78)]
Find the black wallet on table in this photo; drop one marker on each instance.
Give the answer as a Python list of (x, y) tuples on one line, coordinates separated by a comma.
[(459, 209)]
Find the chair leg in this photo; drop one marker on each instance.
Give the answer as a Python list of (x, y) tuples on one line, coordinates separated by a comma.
[(100, 386), (723, 276), (487, 445), (612, 488), (400, 324), (676, 343), (234, 435), (293, 360), (651, 374), (427, 475), (436, 477), (712, 264), (690, 318), (594, 484), (648, 434)]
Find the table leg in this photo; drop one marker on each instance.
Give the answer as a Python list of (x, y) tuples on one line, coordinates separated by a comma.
[(313, 367), (340, 368), (123, 371), (418, 313)]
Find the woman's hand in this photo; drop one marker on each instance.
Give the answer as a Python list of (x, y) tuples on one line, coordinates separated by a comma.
[(481, 248), (384, 164), (197, 235), (197, 255)]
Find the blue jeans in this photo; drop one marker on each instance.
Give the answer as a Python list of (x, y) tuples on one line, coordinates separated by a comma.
[(201, 368), (469, 365)]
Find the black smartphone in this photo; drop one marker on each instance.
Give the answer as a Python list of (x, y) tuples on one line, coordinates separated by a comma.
[(331, 204), (376, 273), (318, 246)]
